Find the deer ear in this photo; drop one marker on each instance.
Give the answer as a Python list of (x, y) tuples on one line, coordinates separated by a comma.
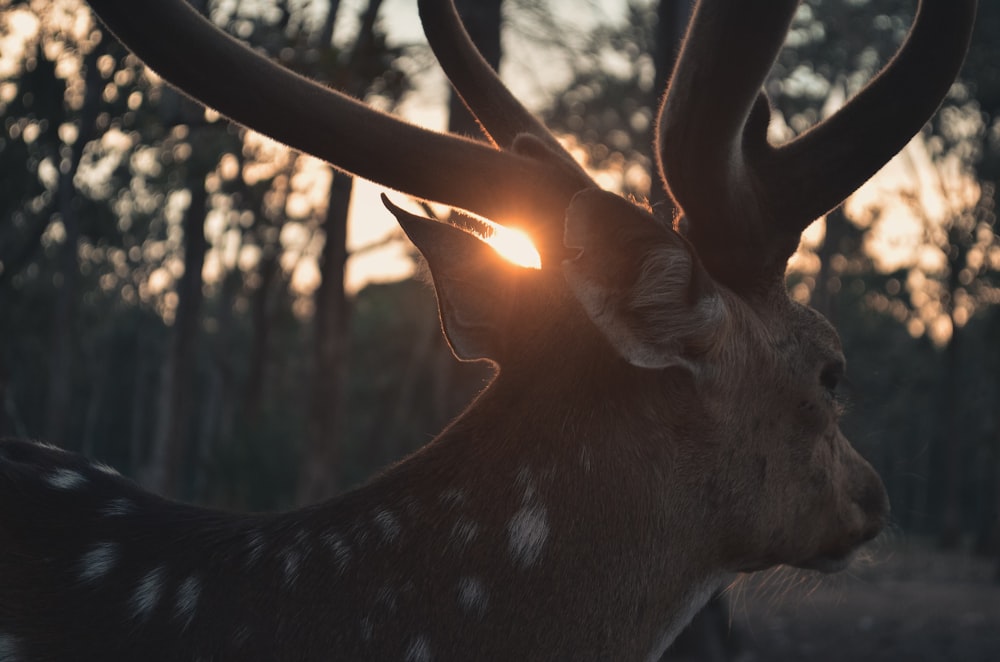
[(473, 284), (640, 283)]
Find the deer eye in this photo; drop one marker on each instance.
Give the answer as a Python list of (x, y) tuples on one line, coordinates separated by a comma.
[(831, 376)]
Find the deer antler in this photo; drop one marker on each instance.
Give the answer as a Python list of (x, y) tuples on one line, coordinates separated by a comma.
[(520, 190), (748, 201), (502, 117)]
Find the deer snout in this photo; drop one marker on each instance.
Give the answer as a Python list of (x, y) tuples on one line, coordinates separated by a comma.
[(862, 513), (873, 502)]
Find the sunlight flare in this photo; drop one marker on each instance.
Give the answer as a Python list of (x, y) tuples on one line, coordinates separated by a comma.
[(514, 246)]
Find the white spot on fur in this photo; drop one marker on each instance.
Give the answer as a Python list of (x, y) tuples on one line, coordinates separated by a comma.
[(452, 497), (472, 595), (527, 532), (105, 469), (692, 603), (388, 525), (9, 648), (49, 446), (291, 558), (187, 600), (117, 507), (367, 628), (295, 555), (360, 533), (341, 550), (419, 650), (97, 562), (255, 548), (147, 592), (411, 507), (66, 479), (463, 532), (386, 597), (241, 636)]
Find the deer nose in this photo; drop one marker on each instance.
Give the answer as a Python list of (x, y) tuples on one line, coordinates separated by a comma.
[(874, 504)]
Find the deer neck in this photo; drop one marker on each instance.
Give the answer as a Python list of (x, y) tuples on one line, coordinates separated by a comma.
[(508, 500)]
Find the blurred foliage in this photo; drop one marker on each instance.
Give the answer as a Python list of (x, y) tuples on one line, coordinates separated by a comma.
[(608, 107)]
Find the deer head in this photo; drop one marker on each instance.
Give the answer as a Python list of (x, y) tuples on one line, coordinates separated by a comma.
[(662, 416)]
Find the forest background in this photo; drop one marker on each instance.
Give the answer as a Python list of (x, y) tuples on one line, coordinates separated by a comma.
[(231, 323)]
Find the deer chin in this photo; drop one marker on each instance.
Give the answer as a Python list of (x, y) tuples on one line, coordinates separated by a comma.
[(836, 557), (826, 559), (827, 564)]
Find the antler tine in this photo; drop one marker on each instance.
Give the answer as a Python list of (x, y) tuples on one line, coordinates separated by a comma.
[(823, 166), (747, 202), (501, 116), (259, 94)]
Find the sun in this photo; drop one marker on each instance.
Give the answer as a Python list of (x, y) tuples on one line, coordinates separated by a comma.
[(514, 246)]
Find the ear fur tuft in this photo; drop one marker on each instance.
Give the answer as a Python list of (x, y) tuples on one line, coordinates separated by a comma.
[(640, 283)]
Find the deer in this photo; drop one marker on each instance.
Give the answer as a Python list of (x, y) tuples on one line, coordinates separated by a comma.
[(663, 414)]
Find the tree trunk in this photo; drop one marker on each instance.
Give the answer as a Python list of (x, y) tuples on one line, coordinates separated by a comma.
[(170, 437), (139, 406), (951, 438), (384, 441), (218, 408), (261, 340), (953, 447), (100, 371), (262, 299), (6, 424), (63, 319), (176, 398), (61, 355), (319, 473), (996, 525), (325, 35), (318, 477)]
